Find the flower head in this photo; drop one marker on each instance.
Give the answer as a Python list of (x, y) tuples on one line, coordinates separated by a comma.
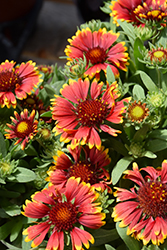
[(156, 99), (7, 167), (24, 127), (124, 10), (88, 164), (138, 11), (17, 81), (152, 11), (137, 111), (46, 69), (99, 49), (81, 115), (156, 57), (144, 208), (62, 211)]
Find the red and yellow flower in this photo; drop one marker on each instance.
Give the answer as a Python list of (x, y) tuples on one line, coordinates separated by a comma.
[(88, 164), (99, 50), (24, 127), (80, 116), (138, 11), (17, 82), (137, 111), (158, 56), (152, 10), (144, 208), (62, 211)]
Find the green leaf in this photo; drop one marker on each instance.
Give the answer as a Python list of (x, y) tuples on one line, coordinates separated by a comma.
[(3, 214), (24, 175), (120, 167), (103, 236), (151, 247), (6, 229), (12, 210), (150, 85), (23, 163), (3, 150), (2, 181), (129, 30), (108, 247), (47, 114), (26, 245), (159, 134), (17, 187), (57, 86), (30, 150), (10, 247), (164, 246), (138, 92), (110, 75), (131, 243), (16, 230), (141, 134), (50, 91), (9, 194), (137, 54), (117, 145), (18, 154), (150, 155), (162, 39), (156, 145)]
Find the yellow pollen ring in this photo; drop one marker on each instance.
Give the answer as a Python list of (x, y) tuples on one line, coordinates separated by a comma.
[(158, 53), (137, 112), (154, 13), (22, 127)]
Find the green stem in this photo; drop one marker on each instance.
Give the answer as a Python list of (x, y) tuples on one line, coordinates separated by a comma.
[(19, 107), (159, 77)]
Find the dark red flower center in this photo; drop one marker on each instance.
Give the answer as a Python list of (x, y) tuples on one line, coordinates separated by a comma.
[(96, 55), (152, 199), (23, 128), (85, 171), (63, 215), (91, 112), (9, 81)]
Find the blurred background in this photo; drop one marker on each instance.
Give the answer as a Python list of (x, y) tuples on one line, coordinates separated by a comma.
[(38, 29)]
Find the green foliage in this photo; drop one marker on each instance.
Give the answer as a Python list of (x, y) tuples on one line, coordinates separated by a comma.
[(120, 167), (131, 243)]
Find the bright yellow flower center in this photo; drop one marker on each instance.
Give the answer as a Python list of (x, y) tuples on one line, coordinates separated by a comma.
[(154, 13), (137, 111), (22, 127), (158, 53), (45, 133)]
